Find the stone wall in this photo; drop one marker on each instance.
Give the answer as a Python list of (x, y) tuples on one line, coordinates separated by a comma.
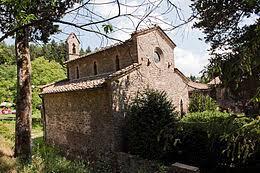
[(105, 60), (79, 122), (91, 122), (161, 75), (72, 45)]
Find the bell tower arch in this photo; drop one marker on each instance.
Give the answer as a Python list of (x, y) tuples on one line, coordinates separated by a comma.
[(73, 46)]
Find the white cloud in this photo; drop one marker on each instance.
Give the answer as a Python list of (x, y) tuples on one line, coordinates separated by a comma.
[(190, 57), (189, 62)]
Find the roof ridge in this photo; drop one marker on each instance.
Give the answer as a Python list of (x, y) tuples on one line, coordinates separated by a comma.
[(87, 82), (101, 50)]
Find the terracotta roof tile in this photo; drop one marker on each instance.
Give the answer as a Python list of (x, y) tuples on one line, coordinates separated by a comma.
[(99, 50), (141, 31), (193, 85), (86, 83), (64, 86), (200, 86), (215, 81)]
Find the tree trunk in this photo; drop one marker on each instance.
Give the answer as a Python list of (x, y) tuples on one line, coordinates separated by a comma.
[(23, 148)]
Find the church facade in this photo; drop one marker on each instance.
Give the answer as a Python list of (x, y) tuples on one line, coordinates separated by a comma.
[(85, 113)]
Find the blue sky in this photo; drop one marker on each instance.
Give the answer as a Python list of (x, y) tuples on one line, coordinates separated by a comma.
[(190, 54)]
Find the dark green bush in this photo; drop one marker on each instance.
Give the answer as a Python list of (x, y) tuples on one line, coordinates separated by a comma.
[(200, 103), (151, 122), (219, 139)]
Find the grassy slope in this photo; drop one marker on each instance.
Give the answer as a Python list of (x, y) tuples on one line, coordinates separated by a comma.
[(45, 159)]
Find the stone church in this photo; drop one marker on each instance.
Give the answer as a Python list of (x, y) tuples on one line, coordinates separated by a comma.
[(84, 114)]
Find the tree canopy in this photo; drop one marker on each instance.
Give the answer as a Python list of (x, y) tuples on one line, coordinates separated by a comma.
[(47, 67), (44, 72), (233, 30), (38, 15)]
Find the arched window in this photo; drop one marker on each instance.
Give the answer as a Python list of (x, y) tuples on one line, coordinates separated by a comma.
[(77, 72), (158, 55), (73, 48), (95, 68), (181, 108), (117, 63)]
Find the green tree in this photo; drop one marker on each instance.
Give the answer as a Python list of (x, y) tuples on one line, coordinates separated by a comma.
[(35, 51), (200, 103), (88, 50), (7, 54), (55, 51), (29, 21), (193, 78), (7, 83), (235, 44), (44, 72), (150, 124)]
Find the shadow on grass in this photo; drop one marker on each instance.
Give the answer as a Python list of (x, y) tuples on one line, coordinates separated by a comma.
[(7, 162)]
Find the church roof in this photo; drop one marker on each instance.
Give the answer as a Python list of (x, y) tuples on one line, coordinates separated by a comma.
[(72, 35), (193, 85), (92, 82), (215, 81), (100, 50), (136, 33), (196, 85), (158, 28)]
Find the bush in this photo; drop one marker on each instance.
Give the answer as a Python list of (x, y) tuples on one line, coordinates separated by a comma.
[(150, 125), (219, 139), (200, 103)]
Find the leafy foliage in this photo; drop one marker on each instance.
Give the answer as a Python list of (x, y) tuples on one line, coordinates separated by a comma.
[(48, 159), (7, 83), (200, 103), (107, 28), (44, 72), (51, 51), (234, 28), (40, 15), (151, 119), (7, 54), (219, 139)]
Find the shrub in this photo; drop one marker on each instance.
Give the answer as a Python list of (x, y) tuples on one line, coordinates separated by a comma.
[(215, 138), (151, 119), (200, 103)]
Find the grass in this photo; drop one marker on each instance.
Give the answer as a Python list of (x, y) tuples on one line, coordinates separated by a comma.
[(7, 115), (44, 159)]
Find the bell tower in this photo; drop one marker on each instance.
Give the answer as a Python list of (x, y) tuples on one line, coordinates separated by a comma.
[(73, 45)]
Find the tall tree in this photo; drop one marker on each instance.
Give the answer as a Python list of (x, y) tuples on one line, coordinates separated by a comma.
[(233, 30), (29, 21)]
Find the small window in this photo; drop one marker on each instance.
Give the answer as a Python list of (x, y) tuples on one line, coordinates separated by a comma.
[(157, 55), (117, 63), (95, 68), (73, 48), (77, 72), (181, 108)]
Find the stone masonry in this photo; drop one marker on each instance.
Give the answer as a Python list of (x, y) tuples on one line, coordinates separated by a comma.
[(85, 113)]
